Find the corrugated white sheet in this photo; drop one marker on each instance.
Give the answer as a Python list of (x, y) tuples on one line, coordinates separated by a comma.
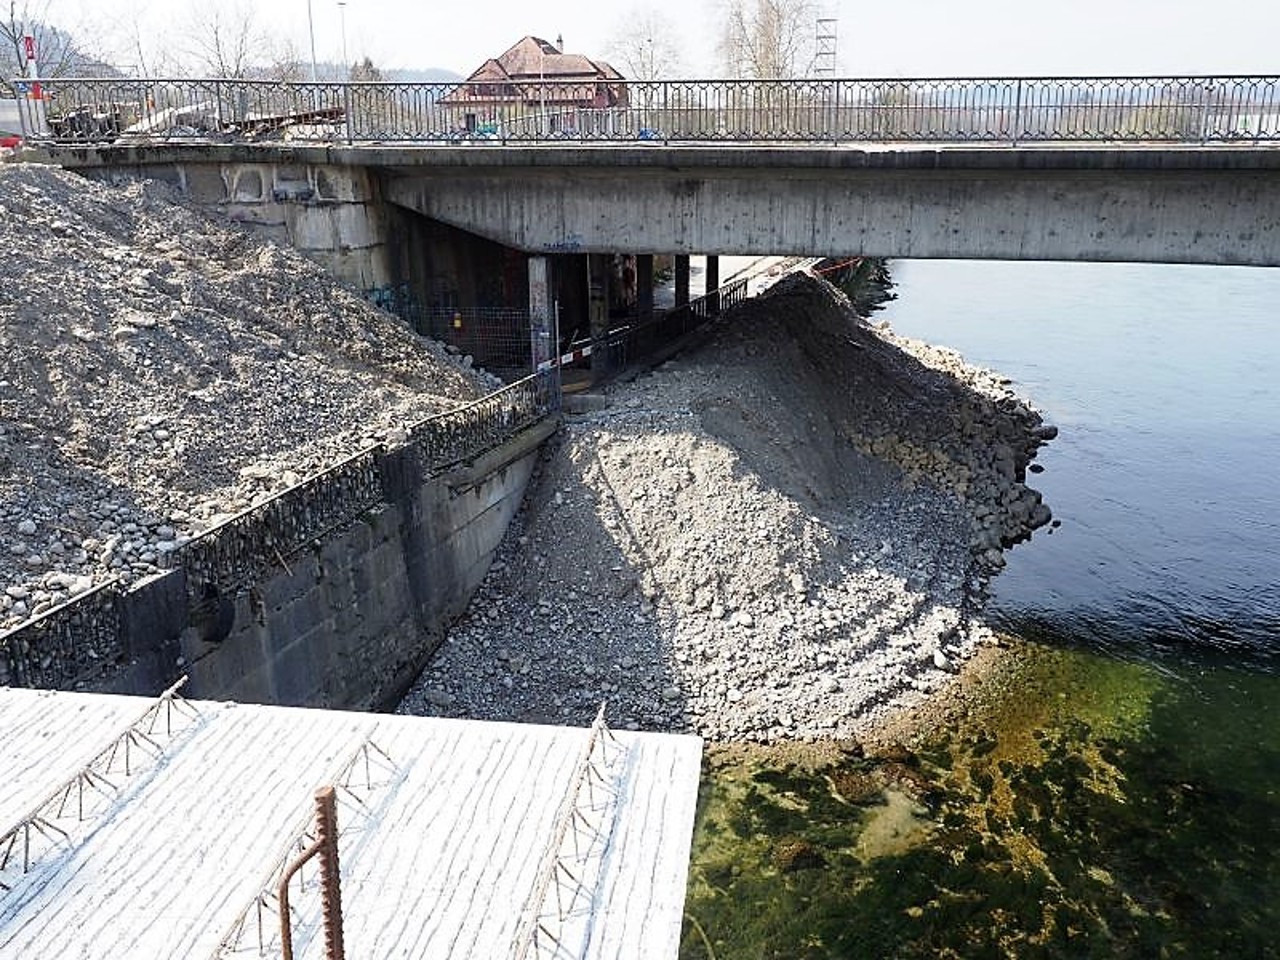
[(438, 858), (45, 737)]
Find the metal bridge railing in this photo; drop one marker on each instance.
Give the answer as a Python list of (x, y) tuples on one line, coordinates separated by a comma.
[(1189, 109)]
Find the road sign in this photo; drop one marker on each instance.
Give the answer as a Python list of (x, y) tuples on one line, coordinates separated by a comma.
[(29, 47)]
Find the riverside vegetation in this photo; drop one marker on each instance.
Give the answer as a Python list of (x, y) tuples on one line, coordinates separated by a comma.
[(1057, 803)]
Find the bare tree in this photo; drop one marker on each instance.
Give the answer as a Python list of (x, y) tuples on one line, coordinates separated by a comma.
[(287, 65), (768, 39), (646, 46), (57, 52), (226, 41), (365, 71)]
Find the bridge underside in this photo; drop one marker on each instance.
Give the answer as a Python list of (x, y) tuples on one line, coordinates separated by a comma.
[(1156, 205)]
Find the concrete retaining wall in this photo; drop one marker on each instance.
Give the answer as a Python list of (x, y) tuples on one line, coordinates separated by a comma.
[(349, 621)]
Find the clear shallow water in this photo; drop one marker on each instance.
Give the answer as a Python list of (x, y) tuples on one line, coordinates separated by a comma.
[(1165, 381), (1112, 787), (1082, 806)]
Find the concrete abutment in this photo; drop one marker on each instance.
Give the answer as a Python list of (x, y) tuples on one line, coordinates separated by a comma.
[(349, 620)]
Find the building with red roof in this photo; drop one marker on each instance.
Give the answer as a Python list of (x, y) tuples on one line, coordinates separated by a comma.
[(535, 78)]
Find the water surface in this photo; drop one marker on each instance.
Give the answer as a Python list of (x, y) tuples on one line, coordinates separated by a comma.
[(1112, 789), (1165, 381)]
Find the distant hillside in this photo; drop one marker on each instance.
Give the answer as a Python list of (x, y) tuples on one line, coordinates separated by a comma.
[(328, 70), (429, 75)]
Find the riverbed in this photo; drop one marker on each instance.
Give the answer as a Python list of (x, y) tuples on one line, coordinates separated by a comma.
[(1105, 785)]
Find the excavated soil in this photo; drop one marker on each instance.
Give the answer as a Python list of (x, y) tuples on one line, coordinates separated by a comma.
[(783, 534), (160, 370)]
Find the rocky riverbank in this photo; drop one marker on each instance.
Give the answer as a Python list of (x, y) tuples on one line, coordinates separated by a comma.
[(785, 533), (160, 371)]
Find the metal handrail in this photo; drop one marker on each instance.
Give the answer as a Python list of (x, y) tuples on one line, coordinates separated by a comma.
[(1196, 109), (665, 326)]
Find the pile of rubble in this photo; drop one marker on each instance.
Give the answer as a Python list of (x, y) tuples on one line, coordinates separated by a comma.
[(160, 371), (785, 533)]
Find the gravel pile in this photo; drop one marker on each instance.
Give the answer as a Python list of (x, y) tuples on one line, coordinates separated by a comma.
[(160, 371), (785, 533)]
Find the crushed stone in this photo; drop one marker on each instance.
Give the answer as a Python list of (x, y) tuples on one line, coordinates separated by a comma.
[(786, 533), (161, 370)]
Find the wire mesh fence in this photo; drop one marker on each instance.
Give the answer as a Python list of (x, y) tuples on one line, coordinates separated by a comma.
[(497, 338), (1190, 109), (70, 642)]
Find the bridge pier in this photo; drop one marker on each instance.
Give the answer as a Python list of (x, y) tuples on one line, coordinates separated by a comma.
[(644, 286), (682, 280), (712, 275), (541, 338), (598, 312)]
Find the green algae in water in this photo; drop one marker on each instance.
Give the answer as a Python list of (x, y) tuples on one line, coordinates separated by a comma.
[(1083, 807)]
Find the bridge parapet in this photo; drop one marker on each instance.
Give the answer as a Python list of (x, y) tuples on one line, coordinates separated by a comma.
[(1162, 110)]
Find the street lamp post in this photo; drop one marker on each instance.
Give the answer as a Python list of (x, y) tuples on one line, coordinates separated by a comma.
[(311, 28), (342, 19)]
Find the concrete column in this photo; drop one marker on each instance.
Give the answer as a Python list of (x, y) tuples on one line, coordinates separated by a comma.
[(713, 283), (541, 347), (644, 286), (598, 311), (682, 280)]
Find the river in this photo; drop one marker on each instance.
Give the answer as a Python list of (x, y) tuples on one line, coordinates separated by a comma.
[(1164, 382), (1113, 789)]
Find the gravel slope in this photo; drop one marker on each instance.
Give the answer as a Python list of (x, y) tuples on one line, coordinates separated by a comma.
[(160, 370), (785, 533)]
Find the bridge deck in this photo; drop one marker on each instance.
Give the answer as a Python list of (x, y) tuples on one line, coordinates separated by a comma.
[(1163, 203)]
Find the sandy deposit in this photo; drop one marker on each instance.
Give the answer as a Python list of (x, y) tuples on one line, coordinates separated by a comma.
[(784, 533), (160, 371)]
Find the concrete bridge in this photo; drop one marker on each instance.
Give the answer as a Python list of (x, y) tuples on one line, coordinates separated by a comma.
[(1209, 204), (1168, 204), (463, 213), (1171, 169)]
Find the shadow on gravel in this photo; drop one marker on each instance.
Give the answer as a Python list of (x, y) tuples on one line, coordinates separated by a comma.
[(563, 621)]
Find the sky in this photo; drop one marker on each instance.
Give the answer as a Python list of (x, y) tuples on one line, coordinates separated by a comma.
[(889, 38)]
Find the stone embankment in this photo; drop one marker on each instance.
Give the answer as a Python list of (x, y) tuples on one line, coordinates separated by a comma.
[(160, 371), (784, 533)]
